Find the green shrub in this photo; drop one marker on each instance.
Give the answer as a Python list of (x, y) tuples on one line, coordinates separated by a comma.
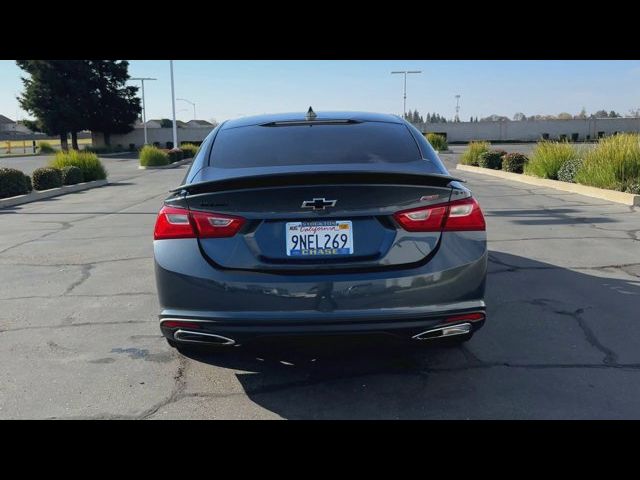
[(13, 182), (175, 155), (45, 147), (189, 150), (614, 163), (45, 178), (438, 142), (71, 175), (88, 162), (491, 159), (472, 154), (568, 170), (514, 162), (547, 158), (153, 157), (633, 188)]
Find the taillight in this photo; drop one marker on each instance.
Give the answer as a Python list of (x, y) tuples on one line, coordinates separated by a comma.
[(173, 222), (429, 219), (464, 215), (179, 324), (472, 317), (459, 215), (215, 225)]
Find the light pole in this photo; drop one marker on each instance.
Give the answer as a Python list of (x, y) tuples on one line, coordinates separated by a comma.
[(457, 107), (193, 104), (144, 111), (173, 108), (405, 72)]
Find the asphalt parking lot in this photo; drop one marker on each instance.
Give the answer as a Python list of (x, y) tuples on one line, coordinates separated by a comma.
[(79, 336)]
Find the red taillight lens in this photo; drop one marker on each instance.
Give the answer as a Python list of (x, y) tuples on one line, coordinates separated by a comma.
[(429, 219), (464, 215), (215, 225), (460, 215), (472, 317), (173, 222), (180, 324)]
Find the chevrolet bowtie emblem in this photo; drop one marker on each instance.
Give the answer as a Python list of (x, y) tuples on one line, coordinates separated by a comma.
[(319, 203)]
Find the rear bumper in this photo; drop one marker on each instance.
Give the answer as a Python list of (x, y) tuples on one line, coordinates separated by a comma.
[(250, 325), (246, 305)]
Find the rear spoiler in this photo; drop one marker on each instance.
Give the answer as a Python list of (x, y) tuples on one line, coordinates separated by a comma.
[(317, 178)]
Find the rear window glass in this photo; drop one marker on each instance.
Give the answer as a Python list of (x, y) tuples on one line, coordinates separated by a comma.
[(260, 146)]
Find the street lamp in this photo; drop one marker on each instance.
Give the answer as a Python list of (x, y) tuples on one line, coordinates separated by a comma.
[(173, 108), (144, 112), (405, 72), (193, 104)]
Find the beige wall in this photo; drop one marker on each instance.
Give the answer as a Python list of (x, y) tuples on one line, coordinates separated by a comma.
[(161, 135), (531, 130)]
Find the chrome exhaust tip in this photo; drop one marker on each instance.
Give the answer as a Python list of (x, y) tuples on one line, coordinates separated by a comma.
[(201, 337), (441, 332)]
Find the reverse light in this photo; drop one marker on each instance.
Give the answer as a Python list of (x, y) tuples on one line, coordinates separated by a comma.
[(174, 222), (459, 215)]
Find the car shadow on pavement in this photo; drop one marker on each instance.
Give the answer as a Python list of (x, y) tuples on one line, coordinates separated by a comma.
[(544, 323)]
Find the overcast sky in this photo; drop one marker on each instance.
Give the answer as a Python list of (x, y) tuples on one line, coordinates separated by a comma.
[(229, 89)]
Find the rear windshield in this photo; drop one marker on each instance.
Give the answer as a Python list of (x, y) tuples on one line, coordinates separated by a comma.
[(367, 142)]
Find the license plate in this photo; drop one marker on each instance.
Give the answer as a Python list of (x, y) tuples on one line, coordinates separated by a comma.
[(319, 238)]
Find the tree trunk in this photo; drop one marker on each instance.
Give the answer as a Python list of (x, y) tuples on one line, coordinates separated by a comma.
[(64, 143), (74, 140), (107, 138)]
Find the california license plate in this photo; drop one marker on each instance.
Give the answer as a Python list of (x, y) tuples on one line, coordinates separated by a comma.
[(319, 238)]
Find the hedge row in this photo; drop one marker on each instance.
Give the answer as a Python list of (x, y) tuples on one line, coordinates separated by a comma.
[(613, 163), (67, 168)]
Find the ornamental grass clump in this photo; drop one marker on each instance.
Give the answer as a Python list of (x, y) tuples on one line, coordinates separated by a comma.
[(614, 163), (473, 152), (151, 156), (547, 158), (88, 162)]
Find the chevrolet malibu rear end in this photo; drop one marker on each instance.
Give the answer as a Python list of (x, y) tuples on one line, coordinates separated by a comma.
[(330, 223)]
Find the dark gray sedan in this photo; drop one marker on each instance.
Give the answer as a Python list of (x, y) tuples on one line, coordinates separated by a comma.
[(319, 224)]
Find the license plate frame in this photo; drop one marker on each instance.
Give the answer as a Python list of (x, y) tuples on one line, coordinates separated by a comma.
[(312, 241)]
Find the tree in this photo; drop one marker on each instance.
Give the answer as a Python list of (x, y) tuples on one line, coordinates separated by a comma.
[(56, 93), (166, 123), (565, 116), (115, 106), (614, 114), (519, 117), (33, 125), (582, 115), (495, 118), (600, 114), (67, 96)]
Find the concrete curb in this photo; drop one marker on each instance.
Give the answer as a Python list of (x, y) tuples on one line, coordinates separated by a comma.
[(610, 195), (444, 151), (114, 154), (171, 165), (54, 192)]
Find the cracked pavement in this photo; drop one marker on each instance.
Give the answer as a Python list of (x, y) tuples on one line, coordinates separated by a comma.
[(79, 335)]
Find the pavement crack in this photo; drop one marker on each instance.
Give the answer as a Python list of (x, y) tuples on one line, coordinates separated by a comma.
[(85, 273), (174, 396)]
